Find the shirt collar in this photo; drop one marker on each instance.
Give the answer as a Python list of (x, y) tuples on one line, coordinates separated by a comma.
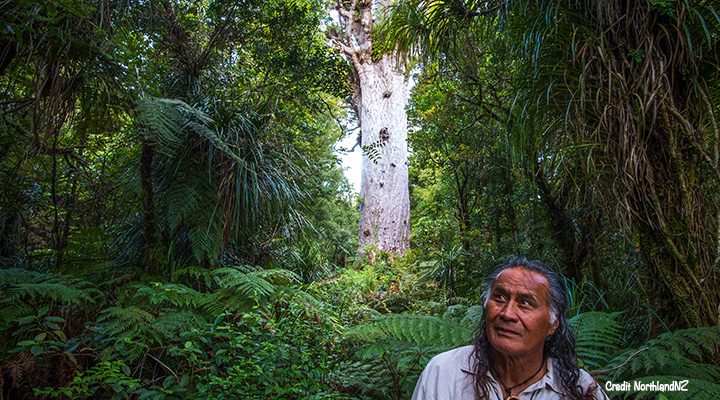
[(551, 379)]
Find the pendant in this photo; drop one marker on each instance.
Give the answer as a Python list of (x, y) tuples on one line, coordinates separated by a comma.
[(513, 398)]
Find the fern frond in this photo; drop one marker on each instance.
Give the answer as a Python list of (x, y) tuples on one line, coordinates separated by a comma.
[(172, 294), (598, 335), (13, 276), (31, 287), (123, 322), (171, 324), (370, 377), (227, 299), (277, 276), (206, 241), (472, 316), (195, 274), (419, 330), (249, 284), (161, 122), (691, 353), (693, 388), (181, 201)]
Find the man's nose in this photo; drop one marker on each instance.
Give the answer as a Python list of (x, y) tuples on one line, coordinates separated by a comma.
[(509, 312)]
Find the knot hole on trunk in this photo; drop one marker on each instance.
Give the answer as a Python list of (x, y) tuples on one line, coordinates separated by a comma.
[(384, 134)]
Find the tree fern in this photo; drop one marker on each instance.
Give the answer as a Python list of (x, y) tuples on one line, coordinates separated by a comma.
[(255, 283), (695, 388), (122, 322), (368, 377), (194, 274), (171, 324), (418, 330), (692, 353), (21, 291), (161, 122), (228, 188), (168, 294), (598, 335), (125, 329)]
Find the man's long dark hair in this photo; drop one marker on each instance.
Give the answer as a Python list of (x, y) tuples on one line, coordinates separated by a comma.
[(560, 346)]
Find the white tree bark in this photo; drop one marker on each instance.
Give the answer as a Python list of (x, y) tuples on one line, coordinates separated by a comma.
[(380, 97), (385, 201)]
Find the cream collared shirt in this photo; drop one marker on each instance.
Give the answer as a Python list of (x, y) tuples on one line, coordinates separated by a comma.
[(443, 379)]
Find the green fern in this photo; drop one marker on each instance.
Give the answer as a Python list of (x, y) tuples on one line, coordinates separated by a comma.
[(161, 122), (170, 294), (22, 291), (598, 336), (466, 316), (692, 353), (251, 282), (418, 330), (369, 377), (171, 324), (697, 389), (122, 322), (127, 330)]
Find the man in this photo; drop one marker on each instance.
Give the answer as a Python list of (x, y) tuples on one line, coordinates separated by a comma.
[(524, 349)]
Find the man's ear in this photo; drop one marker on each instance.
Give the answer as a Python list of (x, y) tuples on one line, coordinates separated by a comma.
[(553, 327)]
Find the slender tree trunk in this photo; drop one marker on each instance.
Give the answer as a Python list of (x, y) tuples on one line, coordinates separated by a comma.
[(148, 196), (461, 184), (562, 226), (67, 223)]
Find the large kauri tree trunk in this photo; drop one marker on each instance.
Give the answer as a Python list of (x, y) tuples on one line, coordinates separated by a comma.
[(380, 96), (385, 202)]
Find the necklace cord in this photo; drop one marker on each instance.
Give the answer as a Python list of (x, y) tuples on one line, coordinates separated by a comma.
[(508, 390)]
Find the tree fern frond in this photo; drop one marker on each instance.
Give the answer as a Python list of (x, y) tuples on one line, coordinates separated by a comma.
[(249, 284), (598, 334), (172, 323), (370, 377), (688, 352), (206, 245), (277, 276), (693, 388), (161, 123), (228, 299), (418, 330), (13, 276), (182, 200), (472, 316), (120, 322), (173, 294), (194, 274), (18, 284)]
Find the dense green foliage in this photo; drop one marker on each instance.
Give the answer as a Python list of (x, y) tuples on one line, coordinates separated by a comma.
[(174, 221)]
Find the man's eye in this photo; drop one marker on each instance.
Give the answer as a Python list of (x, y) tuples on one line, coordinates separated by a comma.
[(499, 297)]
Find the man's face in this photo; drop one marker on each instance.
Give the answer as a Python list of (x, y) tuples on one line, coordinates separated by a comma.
[(517, 314)]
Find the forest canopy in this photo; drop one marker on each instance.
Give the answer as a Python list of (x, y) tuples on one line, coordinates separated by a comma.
[(175, 221)]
